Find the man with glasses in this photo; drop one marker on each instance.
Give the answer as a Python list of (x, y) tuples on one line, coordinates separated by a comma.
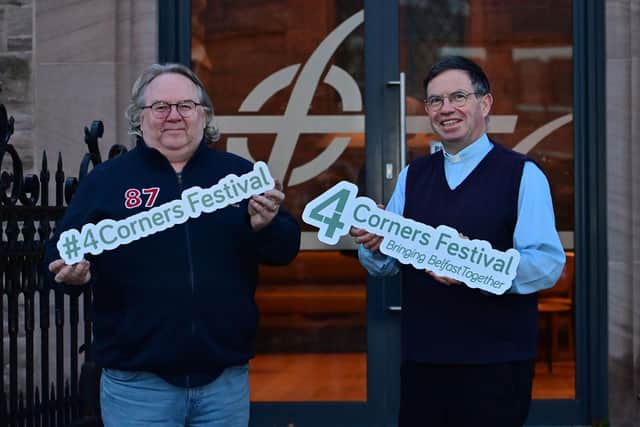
[(467, 355), (174, 314)]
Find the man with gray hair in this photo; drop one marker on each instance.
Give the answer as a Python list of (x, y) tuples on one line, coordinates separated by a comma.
[(174, 313)]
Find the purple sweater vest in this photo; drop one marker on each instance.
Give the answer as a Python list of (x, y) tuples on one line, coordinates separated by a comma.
[(457, 324)]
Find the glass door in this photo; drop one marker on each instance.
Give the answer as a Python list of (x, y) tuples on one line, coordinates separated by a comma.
[(530, 67), (287, 81), (323, 94)]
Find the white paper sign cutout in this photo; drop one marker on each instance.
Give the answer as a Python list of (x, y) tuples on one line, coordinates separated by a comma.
[(439, 249), (109, 234)]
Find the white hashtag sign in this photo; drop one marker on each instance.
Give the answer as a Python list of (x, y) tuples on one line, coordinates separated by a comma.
[(109, 234)]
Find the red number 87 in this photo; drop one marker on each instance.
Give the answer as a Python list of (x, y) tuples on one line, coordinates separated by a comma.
[(132, 197)]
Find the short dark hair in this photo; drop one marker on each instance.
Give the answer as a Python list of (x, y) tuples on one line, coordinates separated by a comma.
[(477, 76)]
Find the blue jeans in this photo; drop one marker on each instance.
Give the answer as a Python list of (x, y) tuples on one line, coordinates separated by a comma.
[(136, 398)]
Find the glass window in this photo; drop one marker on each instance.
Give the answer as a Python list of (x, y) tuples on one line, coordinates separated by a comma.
[(287, 83)]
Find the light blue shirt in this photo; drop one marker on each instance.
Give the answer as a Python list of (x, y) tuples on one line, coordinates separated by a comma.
[(535, 237)]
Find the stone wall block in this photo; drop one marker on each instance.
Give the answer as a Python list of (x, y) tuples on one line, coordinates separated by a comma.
[(14, 2), (3, 31), (81, 31), (19, 44), (19, 20), (15, 79)]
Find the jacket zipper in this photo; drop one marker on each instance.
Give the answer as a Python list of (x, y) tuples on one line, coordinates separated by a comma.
[(190, 263)]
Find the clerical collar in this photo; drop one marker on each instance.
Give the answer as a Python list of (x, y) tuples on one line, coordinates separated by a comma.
[(480, 146)]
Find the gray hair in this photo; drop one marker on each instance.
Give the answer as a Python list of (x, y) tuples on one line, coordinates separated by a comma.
[(134, 110)]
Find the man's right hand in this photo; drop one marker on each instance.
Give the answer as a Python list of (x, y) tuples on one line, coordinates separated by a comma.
[(368, 240), (77, 274)]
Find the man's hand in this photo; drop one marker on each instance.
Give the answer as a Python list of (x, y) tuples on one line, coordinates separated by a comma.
[(448, 281), (368, 240), (263, 208), (76, 274)]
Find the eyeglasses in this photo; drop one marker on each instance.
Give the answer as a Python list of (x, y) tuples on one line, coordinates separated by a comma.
[(457, 99), (161, 109)]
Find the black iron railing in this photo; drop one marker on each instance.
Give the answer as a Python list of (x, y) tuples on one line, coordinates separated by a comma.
[(44, 332)]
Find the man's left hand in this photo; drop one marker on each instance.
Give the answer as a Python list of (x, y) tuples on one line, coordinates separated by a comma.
[(263, 208), (448, 281)]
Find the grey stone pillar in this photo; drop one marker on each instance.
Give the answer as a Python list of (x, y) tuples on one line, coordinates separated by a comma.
[(623, 208), (88, 53)]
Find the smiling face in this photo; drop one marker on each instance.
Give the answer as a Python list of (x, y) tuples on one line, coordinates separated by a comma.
[(457, 127), (176, 137)]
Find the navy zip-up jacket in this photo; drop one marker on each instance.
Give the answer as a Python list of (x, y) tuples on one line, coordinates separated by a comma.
[(178, 303)]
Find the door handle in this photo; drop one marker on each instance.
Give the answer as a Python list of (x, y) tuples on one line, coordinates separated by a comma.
[(394, 308), (403, 118)]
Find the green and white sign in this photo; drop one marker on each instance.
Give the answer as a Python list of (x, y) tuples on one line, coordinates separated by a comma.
[(109, 234), (439, 249)]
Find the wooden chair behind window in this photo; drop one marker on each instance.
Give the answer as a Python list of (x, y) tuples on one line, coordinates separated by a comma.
[(554, 303)]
